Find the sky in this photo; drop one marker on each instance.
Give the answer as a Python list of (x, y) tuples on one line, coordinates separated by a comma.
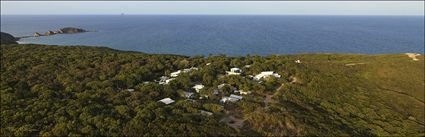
[(213, 7)]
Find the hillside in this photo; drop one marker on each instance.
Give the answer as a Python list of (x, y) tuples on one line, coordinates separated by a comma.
[(81, 90)]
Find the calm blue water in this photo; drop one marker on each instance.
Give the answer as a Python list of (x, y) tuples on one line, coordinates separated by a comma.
[(231, 35)]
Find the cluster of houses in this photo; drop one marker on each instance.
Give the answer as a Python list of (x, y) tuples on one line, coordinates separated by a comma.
[(258, 77), (237, 94), (199, 87), (165, 79)]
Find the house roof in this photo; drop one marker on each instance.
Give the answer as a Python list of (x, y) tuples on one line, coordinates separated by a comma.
[(206, 112), (235, 96), (164, 78), (199, 86), (167, 101), (235, 69), (265, 74), (175, 74)]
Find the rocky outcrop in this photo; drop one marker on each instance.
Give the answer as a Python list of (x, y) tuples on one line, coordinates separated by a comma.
[(36, 34), (67, 30), (49, 33), (6, 38)]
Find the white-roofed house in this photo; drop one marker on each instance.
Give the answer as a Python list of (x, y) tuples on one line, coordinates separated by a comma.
[(178, 72), (130, 90), (169, 80), (235, 96), (298, 61), (231, 98), (163, 79), (189, 69), (166, 101), (175, 74), (244, 92), (198, 87), (266, 74), (205, 112), (234, 71)]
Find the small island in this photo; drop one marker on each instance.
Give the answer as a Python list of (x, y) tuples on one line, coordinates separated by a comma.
[(66, 30)]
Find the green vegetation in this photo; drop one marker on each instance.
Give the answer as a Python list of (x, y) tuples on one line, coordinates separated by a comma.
[(80, 91)]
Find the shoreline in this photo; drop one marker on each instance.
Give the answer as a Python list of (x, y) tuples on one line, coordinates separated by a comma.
[(212, 55)]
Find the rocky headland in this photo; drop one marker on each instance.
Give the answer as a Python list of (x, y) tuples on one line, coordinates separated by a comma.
[(6, 38)]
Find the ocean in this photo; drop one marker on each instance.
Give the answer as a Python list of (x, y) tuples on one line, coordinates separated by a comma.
[(232, 35)]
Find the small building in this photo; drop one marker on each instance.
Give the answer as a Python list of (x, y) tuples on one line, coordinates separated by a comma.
[(208, 64), (198, 87), (169, 80), (206, 112), (244, 92), (234, 71), (241, 92), (204, 97), (166, 101), (247, 66), (163, 80), (235, 96), (175, 74), (130, 90), (231, 98), (297, 61), (266, 74), (189, 69), (178, 72)]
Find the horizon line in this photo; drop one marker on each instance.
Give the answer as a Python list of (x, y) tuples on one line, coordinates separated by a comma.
[(123, 14)]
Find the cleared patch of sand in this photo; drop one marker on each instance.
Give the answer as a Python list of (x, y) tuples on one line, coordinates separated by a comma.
[(413, 56)]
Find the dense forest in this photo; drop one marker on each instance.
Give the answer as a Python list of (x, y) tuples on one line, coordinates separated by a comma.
[(96, 91)]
